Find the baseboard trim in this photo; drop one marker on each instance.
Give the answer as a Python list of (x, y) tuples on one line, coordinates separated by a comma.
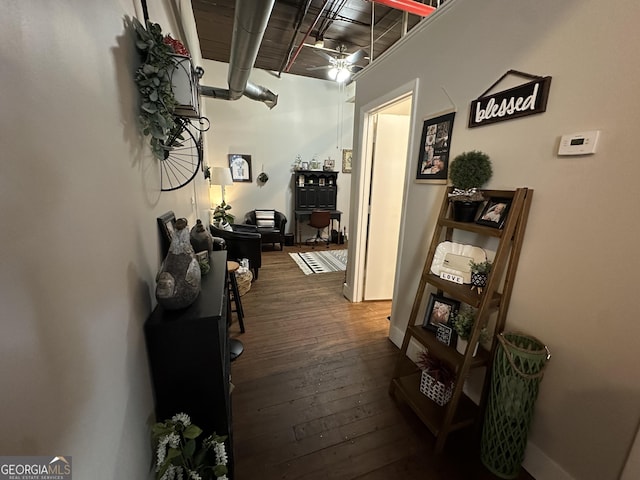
[(396, 336), (542, 467)]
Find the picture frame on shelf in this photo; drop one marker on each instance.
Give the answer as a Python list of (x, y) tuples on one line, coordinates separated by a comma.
[(435, 143), (439, 315), (304, 166), (347, 156), (329, 164), (240, 165), (495, 212)]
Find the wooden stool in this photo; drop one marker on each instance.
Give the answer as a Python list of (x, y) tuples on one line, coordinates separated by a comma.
[(234, 294)]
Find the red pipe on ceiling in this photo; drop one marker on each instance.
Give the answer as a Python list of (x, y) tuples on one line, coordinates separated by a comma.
[(410, 6), (306, 35)]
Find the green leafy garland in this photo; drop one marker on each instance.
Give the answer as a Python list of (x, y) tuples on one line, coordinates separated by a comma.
[(157, 101)]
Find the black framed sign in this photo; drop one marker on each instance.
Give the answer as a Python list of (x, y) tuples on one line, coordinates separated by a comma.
[(433, 160), (526, 99)]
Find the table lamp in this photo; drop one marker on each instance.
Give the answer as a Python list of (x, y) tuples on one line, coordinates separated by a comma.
[(221, 176)]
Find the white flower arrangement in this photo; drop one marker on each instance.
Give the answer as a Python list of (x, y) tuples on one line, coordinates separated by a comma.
[(178, 456)]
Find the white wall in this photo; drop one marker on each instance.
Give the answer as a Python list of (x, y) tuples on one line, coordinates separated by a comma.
[(576, 277), (305, 122), (79, 197)]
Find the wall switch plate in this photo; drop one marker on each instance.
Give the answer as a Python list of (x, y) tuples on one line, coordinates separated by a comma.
[(581, 143)]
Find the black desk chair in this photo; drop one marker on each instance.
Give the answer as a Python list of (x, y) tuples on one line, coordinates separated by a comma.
[(320, 219)]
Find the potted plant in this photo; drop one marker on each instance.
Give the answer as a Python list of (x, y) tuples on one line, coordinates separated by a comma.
[(437, 379), (468, 172), (479, 274), (222, 217), (179, 454), (463, 325)]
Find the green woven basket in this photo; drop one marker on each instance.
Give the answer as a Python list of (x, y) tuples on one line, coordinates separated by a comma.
[(517, 372)]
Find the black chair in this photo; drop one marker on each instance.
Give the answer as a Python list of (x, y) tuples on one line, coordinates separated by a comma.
[(243, 242), (320, 219), (271, 225)]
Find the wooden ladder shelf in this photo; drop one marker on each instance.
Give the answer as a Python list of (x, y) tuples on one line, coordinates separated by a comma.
[(461, 411)]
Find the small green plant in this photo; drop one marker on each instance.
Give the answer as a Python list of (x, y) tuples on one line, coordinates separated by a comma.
[(463, 325), (178, 454), (469, 171), (221, 214), (482, 267), (153, 78)]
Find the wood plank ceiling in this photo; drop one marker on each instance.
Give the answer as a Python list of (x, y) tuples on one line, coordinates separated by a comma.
[(340, 24)]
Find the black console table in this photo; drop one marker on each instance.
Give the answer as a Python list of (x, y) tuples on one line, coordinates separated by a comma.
[(189, 358)]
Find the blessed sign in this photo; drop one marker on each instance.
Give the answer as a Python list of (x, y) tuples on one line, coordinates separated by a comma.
[(527, 99)]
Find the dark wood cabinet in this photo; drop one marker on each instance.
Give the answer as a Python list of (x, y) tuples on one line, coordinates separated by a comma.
[(315, 189), (188, 352)]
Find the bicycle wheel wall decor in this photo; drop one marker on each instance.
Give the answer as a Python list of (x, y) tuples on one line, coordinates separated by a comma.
[(182, 156)]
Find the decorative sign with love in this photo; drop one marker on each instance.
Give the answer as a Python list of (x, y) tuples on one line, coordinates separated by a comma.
[(526, 99)]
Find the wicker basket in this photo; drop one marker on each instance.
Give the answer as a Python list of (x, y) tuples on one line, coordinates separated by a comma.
[(435, 390), (244, 281)]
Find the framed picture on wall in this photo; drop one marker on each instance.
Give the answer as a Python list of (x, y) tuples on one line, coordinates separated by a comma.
[(435, 143), (240, 165), (347, 154)]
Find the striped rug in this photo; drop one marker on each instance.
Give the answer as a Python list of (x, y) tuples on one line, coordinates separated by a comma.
[(321, 262)]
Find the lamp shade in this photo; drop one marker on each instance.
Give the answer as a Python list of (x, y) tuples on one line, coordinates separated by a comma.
[(221, 176)]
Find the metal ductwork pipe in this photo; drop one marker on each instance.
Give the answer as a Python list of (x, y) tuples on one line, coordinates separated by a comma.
[(261, 94), (250, 23)]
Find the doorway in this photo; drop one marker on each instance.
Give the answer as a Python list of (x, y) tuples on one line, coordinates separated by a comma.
[(379, 194), (388, 165)]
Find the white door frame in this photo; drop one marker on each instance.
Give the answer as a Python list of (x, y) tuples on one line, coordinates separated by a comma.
[(357, 257)]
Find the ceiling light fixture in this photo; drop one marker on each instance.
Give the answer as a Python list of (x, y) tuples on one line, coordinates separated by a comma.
[(343, 75), (339, 72)]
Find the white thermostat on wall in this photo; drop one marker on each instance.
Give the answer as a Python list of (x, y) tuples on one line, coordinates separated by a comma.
[(581, 143)]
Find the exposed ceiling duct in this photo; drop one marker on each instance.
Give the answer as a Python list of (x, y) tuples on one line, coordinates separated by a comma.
[(250, 23)]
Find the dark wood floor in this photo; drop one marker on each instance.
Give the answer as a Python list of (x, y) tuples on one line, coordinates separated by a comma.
[(311, 389)]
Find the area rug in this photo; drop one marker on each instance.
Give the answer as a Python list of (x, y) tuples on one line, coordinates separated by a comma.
[(321, 262)]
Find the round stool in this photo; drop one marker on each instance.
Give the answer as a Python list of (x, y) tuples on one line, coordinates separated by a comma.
[(234, 293), (235, 346)]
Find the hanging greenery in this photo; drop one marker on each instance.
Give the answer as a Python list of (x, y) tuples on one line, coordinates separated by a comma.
[(153, 78)]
